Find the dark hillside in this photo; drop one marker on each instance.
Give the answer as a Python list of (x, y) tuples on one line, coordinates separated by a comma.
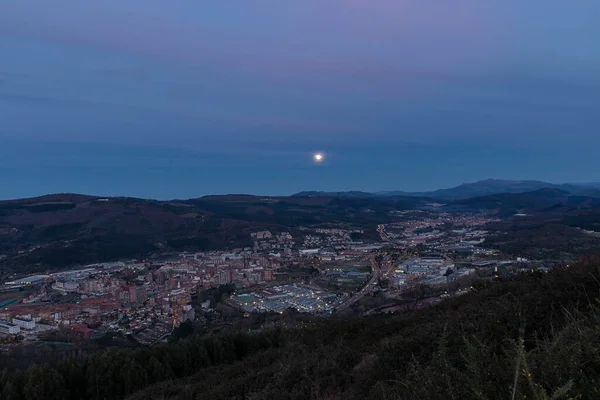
[(60, 231), (63, 230), (562, 232), (538, 200)]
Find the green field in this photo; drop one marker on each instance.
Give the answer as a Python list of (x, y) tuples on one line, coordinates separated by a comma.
[(245, 299)]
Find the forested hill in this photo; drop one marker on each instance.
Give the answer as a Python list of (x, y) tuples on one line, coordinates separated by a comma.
[(532, 336), (64, 230)]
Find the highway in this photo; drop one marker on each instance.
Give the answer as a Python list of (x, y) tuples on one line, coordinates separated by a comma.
[(383, 234), (376, 273)]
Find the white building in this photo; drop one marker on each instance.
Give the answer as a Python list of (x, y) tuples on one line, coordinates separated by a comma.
[(261, 235), (432, 260), (309, 252), (28, 324), (9, 329), (30, 280)]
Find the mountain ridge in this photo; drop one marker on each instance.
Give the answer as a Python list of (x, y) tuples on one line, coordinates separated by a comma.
[(474, 189), (467, 190)]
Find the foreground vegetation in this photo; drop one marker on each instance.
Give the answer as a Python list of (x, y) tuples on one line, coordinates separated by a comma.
[(533, 336)]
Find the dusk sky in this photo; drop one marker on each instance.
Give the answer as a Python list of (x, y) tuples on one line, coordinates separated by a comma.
[(181, 98)]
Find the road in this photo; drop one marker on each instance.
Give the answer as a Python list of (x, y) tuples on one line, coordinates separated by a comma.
[(376, 273), (414, 305), (383, 234)]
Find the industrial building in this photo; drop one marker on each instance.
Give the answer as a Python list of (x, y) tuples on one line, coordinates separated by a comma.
[(30, 280), (9, 329), (281, 298), (28, 324), (307, 252)]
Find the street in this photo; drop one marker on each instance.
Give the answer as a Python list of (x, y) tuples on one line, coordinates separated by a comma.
[(376, 273)]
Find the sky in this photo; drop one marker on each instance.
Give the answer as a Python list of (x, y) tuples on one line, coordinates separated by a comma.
[(182, 99)]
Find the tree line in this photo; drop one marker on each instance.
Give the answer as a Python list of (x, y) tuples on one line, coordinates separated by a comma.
[(116, 373)]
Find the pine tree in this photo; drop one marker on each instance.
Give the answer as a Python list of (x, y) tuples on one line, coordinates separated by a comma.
[(44, 383)]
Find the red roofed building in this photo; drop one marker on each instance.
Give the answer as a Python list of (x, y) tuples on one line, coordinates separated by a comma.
[(83, 330)]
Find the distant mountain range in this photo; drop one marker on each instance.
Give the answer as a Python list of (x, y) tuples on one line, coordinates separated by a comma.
[(536, 200), (468, 190)]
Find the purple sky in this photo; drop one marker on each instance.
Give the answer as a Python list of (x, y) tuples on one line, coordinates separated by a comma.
[(187, 98)]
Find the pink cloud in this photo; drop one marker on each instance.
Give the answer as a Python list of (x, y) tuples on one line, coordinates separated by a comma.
[(354, 37)]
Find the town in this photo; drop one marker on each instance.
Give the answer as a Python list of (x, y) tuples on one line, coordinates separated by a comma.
[(325, 271)]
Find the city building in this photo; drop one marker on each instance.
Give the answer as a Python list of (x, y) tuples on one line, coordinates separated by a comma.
[(23, 323), (261, 235), (307, 252), (30, 280), (224, 277), (137, 294), (9, 329)]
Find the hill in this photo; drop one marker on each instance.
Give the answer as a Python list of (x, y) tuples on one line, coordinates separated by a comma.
[(496, 186), (349, 194), (63, 230), (58, 231), (534, 335), (526, 201)]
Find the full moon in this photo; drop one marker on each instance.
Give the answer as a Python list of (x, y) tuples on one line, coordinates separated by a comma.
[(318, 157)]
